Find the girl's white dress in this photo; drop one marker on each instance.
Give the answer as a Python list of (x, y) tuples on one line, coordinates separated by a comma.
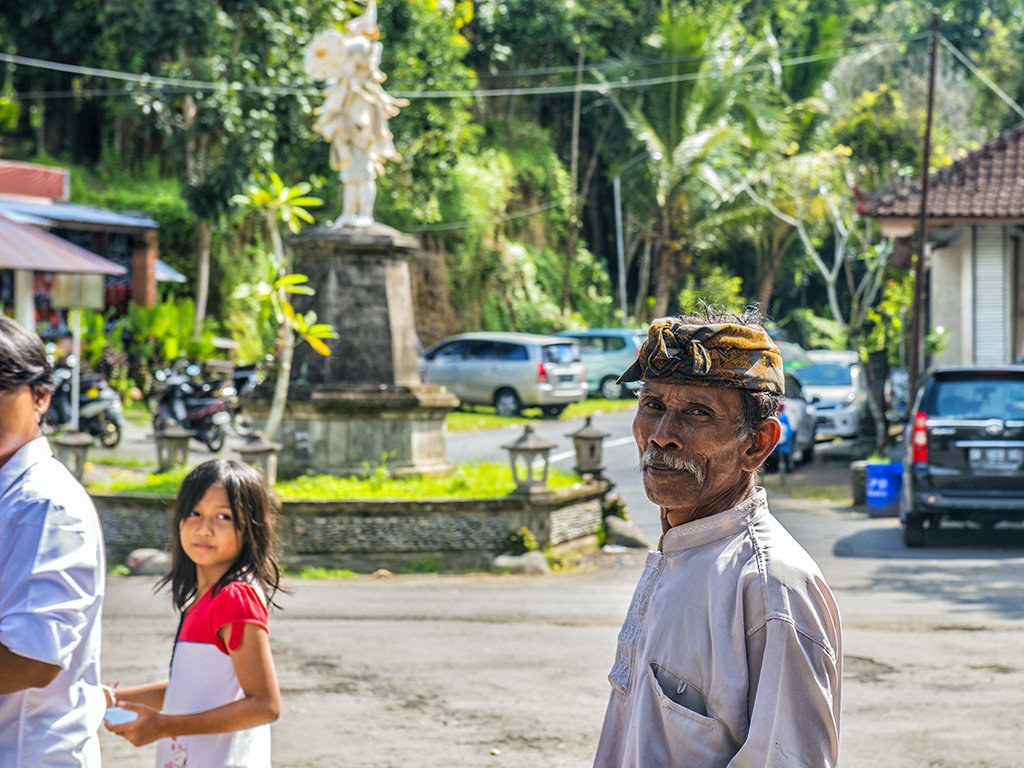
[(203, 677)]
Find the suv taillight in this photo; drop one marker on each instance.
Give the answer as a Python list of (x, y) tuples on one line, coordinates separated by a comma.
[(919, 438), (542, 374)]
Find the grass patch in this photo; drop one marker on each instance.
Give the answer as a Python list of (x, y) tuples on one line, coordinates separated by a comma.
[(318, 574), (801, 489), (128, 462), (485, 479), (427, 564), (483, 417)]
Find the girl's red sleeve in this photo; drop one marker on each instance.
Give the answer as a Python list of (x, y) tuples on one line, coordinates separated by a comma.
[(237, 604)]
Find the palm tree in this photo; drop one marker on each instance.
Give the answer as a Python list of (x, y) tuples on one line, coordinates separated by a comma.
[(697, 109)]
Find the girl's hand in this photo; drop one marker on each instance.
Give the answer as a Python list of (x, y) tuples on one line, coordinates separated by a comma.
[(145, 729)]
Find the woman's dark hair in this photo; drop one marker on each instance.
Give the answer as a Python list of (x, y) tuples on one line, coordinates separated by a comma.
[(22, 357), (253, 515)]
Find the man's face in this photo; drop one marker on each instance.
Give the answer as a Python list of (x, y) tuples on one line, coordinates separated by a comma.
[(693, 459), (20, 410)]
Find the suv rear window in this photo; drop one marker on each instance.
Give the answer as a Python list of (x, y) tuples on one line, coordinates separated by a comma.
[(561, 353), (987, 397)]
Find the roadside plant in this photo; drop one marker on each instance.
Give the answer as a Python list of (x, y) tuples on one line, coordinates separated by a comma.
[(521, 541), (280, 204)]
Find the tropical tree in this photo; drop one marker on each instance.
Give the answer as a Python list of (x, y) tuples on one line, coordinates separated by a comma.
[(697, 109), (279, 204)]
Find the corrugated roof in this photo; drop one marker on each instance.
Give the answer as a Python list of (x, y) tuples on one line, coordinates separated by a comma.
[(25, 247), (986, 184), (69, 214)]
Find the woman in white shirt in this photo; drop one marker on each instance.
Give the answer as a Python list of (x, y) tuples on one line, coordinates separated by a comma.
[(52, 571)]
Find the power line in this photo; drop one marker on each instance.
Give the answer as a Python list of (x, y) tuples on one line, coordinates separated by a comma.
[(982, 76), (179, 85)]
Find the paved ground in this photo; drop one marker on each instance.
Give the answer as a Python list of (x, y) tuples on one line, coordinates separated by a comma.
[(482, 670)]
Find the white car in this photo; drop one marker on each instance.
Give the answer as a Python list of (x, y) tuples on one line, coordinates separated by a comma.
[(840, 399)]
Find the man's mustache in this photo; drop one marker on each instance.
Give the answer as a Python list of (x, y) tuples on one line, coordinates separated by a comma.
[(661, 459)]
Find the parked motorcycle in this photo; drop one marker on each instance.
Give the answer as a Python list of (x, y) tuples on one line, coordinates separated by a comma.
[(244, 379), (193, 405), (99, 407)]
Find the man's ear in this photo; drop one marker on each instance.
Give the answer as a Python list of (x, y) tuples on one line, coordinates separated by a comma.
[(762, 442)]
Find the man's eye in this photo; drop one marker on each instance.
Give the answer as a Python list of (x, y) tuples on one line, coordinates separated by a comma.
[(193, 513), (224, 516)]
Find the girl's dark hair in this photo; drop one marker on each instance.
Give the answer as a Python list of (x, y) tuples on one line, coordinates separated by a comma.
[(252, 513), (22, 357)]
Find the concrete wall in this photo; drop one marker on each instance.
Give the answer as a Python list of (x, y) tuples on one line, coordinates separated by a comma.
[(365, 535), (950, 300)]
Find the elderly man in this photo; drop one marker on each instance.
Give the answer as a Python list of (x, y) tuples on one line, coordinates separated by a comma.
[(730, 654)]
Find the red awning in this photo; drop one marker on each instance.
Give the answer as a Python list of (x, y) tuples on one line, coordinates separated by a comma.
[(25, 247)]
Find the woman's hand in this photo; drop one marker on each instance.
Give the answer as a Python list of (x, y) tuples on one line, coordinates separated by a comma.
[(148, 727)]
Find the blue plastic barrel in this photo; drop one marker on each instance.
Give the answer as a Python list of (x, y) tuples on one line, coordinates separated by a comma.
[(884, 482)]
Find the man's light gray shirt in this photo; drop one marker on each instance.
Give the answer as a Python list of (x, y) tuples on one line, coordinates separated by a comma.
[(730, 654)]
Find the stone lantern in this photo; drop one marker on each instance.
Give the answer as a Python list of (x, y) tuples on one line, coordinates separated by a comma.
[(589, 443), (172, 447), (71, 450), (260, 454), (525, 454)]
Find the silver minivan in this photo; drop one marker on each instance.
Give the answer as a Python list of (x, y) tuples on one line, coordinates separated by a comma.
[(510, 371)]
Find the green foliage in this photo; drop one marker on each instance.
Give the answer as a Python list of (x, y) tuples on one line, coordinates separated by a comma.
[(889, 320), (713, 286), (615, 505), (812, 331), (164, 333), (520, 541)]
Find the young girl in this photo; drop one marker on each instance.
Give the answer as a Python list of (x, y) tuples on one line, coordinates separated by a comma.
[(215, 710)]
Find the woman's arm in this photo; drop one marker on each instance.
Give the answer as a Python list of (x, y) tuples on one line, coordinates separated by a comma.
[(152, 695), (20, 672), (260, 704)]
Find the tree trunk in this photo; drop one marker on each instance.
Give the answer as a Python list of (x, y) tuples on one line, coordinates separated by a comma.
[(205, 230), (284, 373), (574, 206), (643, 285), (767, 283)]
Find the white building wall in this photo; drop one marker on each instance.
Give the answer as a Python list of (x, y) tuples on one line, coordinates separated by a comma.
[(950, 300)]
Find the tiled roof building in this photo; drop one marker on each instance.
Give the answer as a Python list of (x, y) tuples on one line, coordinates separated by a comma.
[(986, 184)]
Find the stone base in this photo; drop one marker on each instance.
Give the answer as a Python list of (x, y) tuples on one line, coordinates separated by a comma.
[(351, 431)]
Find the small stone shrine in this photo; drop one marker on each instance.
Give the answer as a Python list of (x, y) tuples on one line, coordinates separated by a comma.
[(364, 404)]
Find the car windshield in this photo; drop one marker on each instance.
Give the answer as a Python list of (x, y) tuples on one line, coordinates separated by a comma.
[(561, 353), (826, 375), (986, 398)]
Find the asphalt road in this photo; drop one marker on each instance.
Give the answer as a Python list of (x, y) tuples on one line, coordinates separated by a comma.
[(488, 670)]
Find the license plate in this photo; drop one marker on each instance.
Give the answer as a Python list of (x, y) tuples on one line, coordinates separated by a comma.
[(566, 378), (995, 458), (221, 417)]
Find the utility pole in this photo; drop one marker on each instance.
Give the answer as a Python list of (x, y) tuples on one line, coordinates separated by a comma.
[(916, 348)]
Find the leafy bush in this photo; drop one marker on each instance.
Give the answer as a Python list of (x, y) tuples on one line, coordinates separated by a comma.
[(521, 541)]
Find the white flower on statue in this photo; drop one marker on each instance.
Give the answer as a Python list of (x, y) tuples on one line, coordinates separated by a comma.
[(325, 55)]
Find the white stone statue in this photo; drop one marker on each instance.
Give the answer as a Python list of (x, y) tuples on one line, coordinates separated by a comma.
[(355, 112)]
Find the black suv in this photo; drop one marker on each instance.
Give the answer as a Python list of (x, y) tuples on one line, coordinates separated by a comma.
[(964, 450)]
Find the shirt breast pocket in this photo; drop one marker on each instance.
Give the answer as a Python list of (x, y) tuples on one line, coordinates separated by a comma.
[(677, 694)]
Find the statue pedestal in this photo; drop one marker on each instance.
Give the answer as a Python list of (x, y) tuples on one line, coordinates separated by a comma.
[(364, 404)]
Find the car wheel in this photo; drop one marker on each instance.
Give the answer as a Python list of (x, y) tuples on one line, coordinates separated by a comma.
[(913, 529), (609, 389), (111, 432), (771, 464), (506, 402), (214, 438), (552, 411), (807, 455)]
